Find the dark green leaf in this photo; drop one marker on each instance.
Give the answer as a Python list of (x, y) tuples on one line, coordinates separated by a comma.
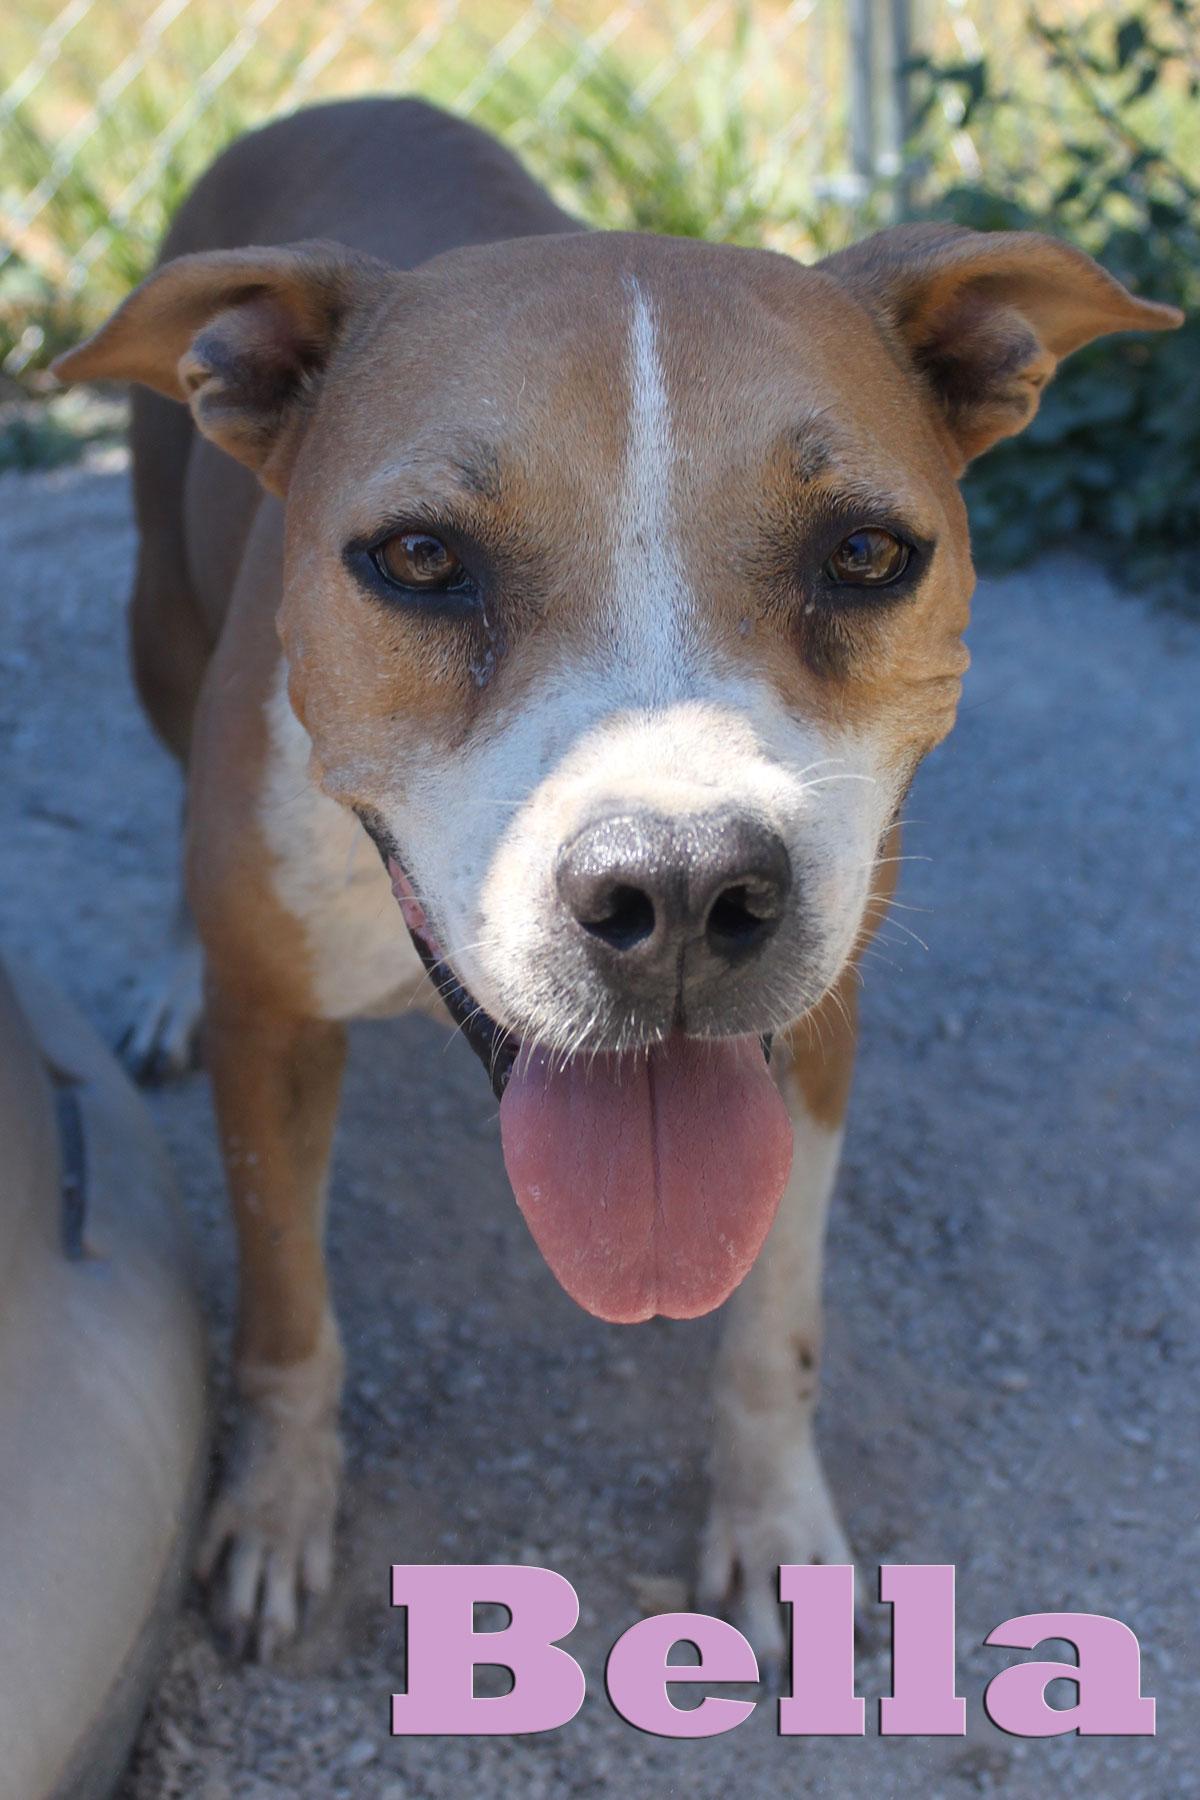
[(1128, 40)]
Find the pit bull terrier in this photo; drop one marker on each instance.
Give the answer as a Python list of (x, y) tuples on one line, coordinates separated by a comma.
[(597, 595)]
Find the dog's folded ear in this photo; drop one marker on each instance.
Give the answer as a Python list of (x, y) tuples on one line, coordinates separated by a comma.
[(985, 317), (241, 336)]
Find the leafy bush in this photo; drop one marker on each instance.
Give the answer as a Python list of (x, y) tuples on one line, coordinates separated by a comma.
[(1113, 457)]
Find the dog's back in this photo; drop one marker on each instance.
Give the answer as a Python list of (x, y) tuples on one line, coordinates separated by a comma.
[(395, 178)]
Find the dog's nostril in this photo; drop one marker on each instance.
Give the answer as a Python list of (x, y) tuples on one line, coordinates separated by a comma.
[(654, 891), (625, 918), (739, 918)]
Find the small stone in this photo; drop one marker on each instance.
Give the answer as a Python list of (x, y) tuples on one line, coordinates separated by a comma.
[(1013, 1381), (658, 1593), (182, 1745)]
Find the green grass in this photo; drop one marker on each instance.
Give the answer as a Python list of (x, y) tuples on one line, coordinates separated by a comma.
[(94, 210), (708, 155)]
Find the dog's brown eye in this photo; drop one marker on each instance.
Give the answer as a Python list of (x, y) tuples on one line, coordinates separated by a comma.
[(868, 558), (414, 559)]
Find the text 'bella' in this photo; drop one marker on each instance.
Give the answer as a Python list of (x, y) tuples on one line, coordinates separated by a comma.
[(548, 1686)]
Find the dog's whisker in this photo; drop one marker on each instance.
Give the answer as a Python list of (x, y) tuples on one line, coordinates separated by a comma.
[(888, 901), (881, 862), (842, 775), (875, 955), (822, 762), (907, 930)]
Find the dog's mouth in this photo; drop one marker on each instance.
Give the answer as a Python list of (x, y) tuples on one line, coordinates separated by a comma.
[(648, 1178), (496, 1048)]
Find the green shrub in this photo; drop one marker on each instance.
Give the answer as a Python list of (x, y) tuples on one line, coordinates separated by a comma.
[(1113, 457)]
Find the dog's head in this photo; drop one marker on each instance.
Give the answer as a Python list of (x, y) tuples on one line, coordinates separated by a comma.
[(624, 592)]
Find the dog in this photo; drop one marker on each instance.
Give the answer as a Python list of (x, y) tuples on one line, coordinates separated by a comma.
[(597, 596)]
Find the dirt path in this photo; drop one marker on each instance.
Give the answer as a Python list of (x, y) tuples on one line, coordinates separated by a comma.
[(1014, 1359)]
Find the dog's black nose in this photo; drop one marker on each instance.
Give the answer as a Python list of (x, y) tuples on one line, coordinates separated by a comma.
[(645, 888)]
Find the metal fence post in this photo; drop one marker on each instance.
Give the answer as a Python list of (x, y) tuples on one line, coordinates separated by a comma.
[(900, 111), (862, 90), (880, 112)]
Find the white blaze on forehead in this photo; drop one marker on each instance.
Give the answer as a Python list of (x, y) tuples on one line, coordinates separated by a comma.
[(651, 600), (654, 716)]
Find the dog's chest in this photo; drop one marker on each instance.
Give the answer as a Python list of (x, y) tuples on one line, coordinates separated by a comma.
[(328, 875)]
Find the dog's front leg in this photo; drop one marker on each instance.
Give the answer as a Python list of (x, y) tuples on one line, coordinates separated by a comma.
[(269, 1539), (770, 1503)]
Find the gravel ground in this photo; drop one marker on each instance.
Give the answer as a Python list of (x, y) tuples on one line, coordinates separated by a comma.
[(1013, 1361)]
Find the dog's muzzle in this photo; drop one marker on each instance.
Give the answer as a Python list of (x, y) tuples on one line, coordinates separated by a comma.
[(648, 1178)]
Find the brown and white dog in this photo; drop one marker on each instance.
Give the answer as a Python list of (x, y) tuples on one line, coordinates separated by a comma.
[(600, 594)]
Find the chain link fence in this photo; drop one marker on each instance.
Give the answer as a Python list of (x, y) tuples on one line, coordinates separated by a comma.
[(774, 110)]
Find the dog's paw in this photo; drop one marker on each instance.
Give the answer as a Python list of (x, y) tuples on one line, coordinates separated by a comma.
[(791, 1518), (161, 1041), (266, 1552)]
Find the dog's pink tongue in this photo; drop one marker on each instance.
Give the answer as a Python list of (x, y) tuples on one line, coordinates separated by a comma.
[(649, 1183)]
